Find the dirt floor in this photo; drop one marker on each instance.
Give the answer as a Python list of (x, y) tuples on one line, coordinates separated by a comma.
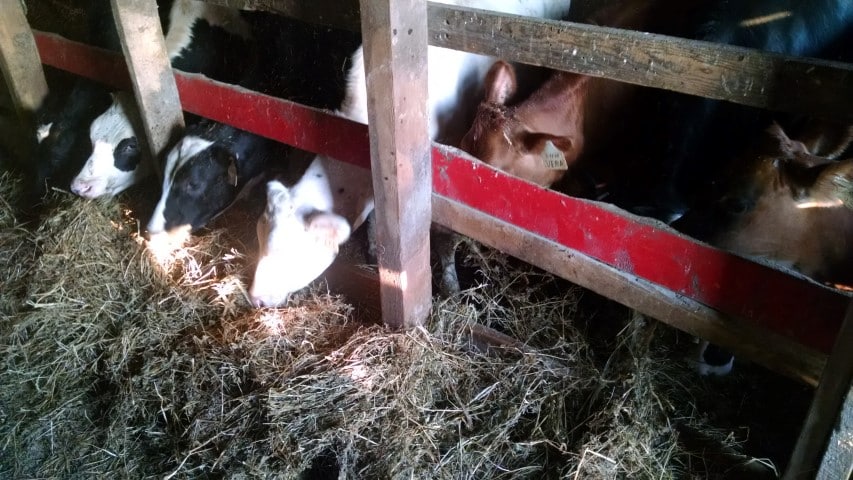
[(117, 364)]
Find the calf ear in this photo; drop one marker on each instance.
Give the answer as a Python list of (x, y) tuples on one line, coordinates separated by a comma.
[(500, 83), (329, 228), (824, 138), (832, 187)]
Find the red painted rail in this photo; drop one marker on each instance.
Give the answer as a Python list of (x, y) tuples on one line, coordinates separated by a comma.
[(794, 307)]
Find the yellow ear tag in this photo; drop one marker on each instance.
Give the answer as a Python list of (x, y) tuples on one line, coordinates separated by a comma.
[(553, 158)]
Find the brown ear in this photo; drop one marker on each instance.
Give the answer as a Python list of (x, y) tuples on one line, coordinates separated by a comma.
[(825, 138), (500, 83), (832, 187)]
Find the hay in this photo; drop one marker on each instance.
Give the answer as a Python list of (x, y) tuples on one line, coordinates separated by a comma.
[(115, 365)]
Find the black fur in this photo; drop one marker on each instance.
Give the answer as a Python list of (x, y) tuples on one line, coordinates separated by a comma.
[(293, 60)]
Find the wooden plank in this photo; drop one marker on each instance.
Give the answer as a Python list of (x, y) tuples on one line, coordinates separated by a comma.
[(724, 72), (19, 61), (343, 14), (395, 62), (144, 48), (837, 463), (824, 417), (745, 339)]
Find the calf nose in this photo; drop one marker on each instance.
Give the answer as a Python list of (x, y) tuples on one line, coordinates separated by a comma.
[(81, 189), (261, 301)]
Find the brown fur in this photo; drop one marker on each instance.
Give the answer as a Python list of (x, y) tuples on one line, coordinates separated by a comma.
[(570, 110), (800, 211)]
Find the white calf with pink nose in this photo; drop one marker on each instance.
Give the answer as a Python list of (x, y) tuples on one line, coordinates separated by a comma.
[(304, 225)]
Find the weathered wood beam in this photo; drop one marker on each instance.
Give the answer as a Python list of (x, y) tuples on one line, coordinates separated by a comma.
[(395, 62), (724, 72), (19, 61), (827, 420), (342, 14), (144, 48)]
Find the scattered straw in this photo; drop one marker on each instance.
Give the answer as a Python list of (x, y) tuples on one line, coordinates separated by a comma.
[(119, 365)]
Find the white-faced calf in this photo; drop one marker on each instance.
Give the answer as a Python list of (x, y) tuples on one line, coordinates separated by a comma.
[(336, 190), (200, 38)]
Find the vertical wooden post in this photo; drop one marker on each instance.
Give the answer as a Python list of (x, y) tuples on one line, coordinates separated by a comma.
[(144, 48), (395, 61), (825, 413), (19, 60)]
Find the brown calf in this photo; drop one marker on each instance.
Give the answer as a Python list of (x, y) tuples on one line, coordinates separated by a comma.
[(783, 203)]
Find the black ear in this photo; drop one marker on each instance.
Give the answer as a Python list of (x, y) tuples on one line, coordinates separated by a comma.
[(228, 161)]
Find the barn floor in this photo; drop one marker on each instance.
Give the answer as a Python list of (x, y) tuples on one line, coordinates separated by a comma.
[(117, 364)]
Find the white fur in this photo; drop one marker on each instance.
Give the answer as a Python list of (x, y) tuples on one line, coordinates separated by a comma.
[(183, 15), (99, 175), (42, 131), (185, 149), (287, 263)]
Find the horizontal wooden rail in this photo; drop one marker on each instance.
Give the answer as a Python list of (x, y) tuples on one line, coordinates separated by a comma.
[(740, 75), (686, 283), (723, 72)]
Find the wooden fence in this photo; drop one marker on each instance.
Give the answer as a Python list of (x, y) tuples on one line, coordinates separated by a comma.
[(790, 325)]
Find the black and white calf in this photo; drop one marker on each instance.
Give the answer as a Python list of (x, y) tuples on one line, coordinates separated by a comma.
[(303, 226), (205, 173), (200, 38), (206, 170)]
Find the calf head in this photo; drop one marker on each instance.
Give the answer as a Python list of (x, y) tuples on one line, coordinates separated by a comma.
[(785, 204), (532, 140), (200, 181), (297, 244), (116, 162)]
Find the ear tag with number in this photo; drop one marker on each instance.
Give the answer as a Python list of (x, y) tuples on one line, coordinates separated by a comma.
[(553, 158)]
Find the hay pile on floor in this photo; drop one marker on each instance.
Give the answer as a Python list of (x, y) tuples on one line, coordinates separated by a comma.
[(116, 367)]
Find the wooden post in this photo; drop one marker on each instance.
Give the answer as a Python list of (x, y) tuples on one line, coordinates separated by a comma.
[(19, 61), (827, 415), (144, 48), (395, 62)]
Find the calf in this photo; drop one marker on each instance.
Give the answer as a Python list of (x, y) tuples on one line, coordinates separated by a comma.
[(304, 225), (208, 168), (205, 173), (697, 132), (541, 137), (781, 202), (60, 143), (200, 38)]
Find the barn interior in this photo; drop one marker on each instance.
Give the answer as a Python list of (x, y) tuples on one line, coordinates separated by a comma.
[(122, 362)]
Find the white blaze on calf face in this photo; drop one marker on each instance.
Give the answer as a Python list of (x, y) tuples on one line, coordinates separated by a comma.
[(116, 162), (297, 243), (303, 226)]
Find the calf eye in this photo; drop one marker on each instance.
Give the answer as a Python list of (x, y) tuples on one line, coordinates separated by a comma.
[(735, 205), (127, 146)]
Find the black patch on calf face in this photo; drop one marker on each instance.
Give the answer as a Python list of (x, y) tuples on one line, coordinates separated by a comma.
[(200, 189), (127, 155)]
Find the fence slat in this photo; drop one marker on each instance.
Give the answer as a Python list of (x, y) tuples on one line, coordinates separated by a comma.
[(144, 50), (835, 385), (19, 60), (395, 62)]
